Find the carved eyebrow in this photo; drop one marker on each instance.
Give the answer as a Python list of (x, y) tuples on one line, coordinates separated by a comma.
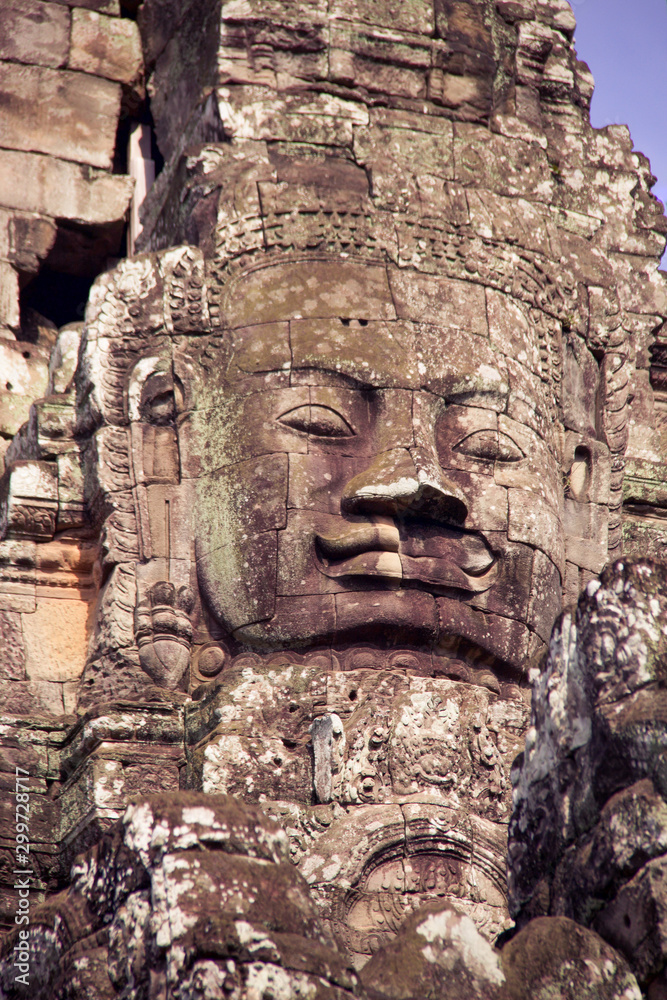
[(479, 387), (339, 378), (458, 386)]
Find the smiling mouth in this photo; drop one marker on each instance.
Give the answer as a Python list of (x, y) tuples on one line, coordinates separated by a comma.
[(432, 555)]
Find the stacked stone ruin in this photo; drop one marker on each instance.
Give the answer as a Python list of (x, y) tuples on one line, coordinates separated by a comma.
[(300, 497)]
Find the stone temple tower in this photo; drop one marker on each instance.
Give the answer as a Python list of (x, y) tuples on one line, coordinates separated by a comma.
[(302, 492)]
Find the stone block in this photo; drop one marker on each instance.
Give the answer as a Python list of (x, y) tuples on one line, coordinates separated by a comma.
[(11, 643), (167, 524), (323, 120), (9, 296), (511, 331), (509, 220), (298, 571), (645, 483), (111, 7), (330, 186), (32, 182), (404, 158), (397, 81), (586, 539), (337, 345), (571, 584), (29, 239), (555, 957), (312, 615), (354, 838), (635, 921), (416, 16), (486, 501), (311, 290), (31, 755), (469, 95), (70, 115), (29, 500), (46, 698), (143, 779), (545, 599), (256, 491), (262, 350), (70, 696), (17, 595), (463, 24), (34, 32), (499, 164), (41, 816), (531, 521), (391, 612), (465, 61), (71, 505), (643, 440), (444, 302), (537, 471), (428, 958), (526, 392), (64, 357), (253, 768), (105, 46), (52, 423), (504, 637), (509, 593), (251, 589)]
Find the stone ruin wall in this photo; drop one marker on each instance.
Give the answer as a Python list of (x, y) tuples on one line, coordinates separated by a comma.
[(70, 76), (476, 113)]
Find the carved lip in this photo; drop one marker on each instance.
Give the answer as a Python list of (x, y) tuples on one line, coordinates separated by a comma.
[(430, 554)]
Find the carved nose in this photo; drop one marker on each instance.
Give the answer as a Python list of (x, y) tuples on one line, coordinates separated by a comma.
[(397, 483)]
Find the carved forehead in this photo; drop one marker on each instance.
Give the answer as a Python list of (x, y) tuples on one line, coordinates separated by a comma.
[(307, 289), (350, 289), (375, 353), (376, 323)]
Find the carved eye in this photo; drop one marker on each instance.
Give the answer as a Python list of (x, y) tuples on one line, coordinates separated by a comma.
[(317, 420), (496, 447)]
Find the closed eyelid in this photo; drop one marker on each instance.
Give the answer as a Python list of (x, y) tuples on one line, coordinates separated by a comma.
[(317, 420), (491, 445)]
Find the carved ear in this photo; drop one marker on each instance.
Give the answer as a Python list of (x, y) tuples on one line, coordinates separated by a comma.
[(586, 475), (579, 479), (586, 469)]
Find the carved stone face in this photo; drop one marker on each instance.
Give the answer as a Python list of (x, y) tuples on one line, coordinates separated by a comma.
[(375, 460)]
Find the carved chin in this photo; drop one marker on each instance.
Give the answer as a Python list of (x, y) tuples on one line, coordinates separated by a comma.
[(389, 599)]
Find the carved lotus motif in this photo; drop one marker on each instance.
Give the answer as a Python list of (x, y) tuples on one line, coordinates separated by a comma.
[(163, 633)]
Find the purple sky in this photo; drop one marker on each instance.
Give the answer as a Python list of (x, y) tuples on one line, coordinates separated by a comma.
[(625, 44)]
